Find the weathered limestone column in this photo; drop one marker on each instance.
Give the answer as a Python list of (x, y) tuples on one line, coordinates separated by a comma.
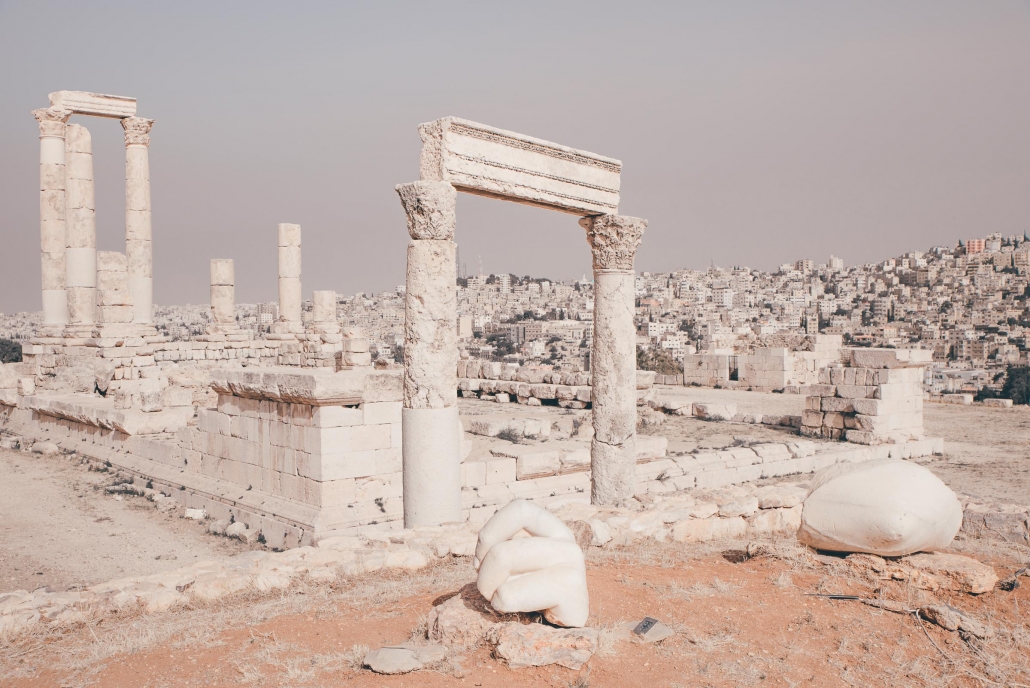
[(223, 295), (138, 233), (52, 213), (289, 278), (323, 311), (613, 241), (429, 418), (81, 228)]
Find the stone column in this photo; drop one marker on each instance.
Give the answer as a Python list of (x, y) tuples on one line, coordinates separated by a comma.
[(81, 229), (289, 278), (52, 213), (138, 234), (613, 241), (429, 418), (223, 295), (323, 312)]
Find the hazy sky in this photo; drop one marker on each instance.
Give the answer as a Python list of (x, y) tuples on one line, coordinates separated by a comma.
[(751, 133)]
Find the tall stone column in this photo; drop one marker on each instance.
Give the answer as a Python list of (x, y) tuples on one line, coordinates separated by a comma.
[(223, 295), (138, 232), (613, 242), (52, 213), (429, 418), (81, 230), (289, 279)]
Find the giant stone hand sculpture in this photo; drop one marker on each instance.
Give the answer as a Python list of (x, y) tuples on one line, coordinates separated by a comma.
[(545, 572)]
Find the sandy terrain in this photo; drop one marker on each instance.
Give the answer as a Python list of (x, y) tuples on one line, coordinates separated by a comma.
[(59, 529)]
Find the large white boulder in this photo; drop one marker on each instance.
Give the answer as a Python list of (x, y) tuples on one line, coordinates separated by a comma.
[(886, 507)]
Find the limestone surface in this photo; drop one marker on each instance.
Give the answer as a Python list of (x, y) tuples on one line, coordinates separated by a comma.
[(886, 507)]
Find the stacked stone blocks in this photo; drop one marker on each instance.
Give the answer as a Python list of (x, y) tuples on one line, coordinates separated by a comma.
[(877, 399)]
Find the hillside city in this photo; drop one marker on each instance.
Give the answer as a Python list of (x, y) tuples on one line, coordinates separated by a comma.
[(969, 303)]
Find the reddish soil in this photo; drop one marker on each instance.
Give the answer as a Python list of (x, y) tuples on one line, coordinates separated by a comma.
[(746, 623)]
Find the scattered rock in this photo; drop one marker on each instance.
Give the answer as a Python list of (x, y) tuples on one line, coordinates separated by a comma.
[(654, 634), (583, 532), (721, 412), (195, 514), (930, 571), (45, 448), (524, 645), (218, 527), (462, 620), (952, 619), (10, 443), (392, 660), (240, 531), (745, 506), (956, 572)]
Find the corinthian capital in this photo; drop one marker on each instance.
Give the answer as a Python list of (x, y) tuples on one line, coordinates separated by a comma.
[(137, 131), (430, 209), (613, 240), (52, 121)]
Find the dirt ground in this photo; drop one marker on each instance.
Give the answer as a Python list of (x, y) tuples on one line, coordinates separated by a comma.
[(59, 529), (746, 623), (738, 621)]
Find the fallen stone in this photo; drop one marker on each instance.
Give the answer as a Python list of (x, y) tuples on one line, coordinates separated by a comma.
[(952, 619), (45, 448), (195, 514), (1009, 526), (780, 496), (929, 571), (392, 660), (656, 633), (745, 506), (525, 645), (720, 412), (886, 507), (956, 572), (218, 527), (462, 620)]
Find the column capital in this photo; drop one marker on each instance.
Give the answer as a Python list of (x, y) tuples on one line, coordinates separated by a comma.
[(137, 131), (52, 121), (430, 209), (613, 240)]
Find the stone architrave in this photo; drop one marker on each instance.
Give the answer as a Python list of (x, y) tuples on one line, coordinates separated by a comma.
[(80, 227), (289, 279), (96, 104), (52, 212), (430, 444), (613, 242), (492, 162), (138, 232), (223, 293)]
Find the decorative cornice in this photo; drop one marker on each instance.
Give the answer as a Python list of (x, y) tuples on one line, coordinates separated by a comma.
[(137, 131), (430, 207), (613, 240), (52, 121)]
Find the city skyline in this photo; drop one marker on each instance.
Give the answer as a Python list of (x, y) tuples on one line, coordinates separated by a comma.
[(747, 138)]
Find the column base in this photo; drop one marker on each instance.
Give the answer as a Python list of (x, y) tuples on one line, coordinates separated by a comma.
[(431, 447)]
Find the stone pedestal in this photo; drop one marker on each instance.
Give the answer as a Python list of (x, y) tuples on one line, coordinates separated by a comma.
[(289, 281), (431, 451), (613, 242), (138, 232), (81, 231), (52, 214)]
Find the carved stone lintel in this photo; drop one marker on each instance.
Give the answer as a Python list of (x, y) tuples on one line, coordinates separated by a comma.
[(430, 209), (52, 121), (137, 131), (613, 240)]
